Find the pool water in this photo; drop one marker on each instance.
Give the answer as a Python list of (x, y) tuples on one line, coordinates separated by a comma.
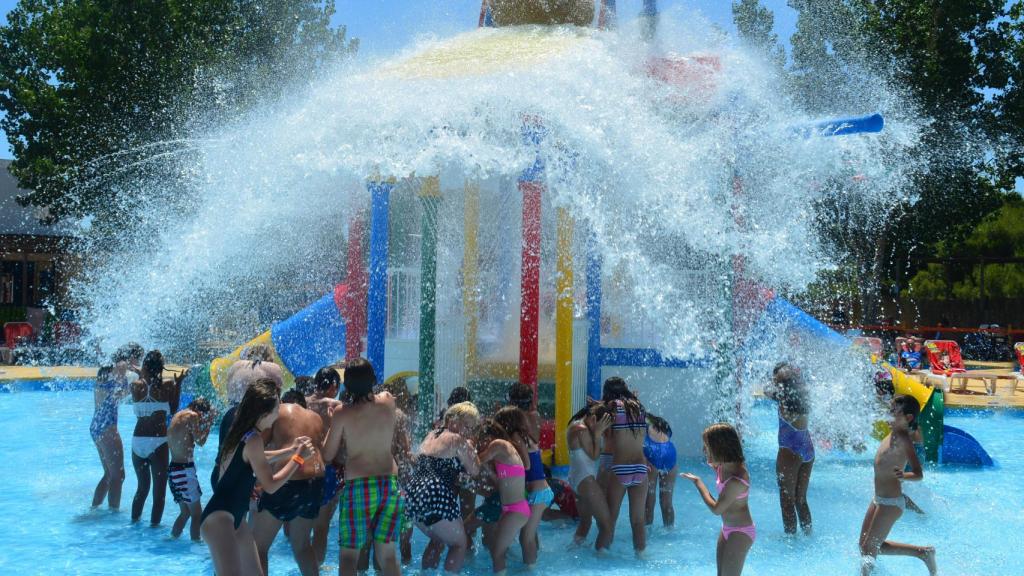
[(974, 517)]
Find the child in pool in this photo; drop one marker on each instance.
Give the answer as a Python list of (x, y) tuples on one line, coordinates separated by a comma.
[(725, 454), (496, 445), (894, 453), (661, 458), (189, 427)]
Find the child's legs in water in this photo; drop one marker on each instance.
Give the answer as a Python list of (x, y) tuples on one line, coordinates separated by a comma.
[(142, 489), (528, 538), (196, 515), (652, 497), (506, 530), (666, 488), (322, 527), (732, 553), (614, 493), (184, 513), (803, 511), (593, 498), (787, 470), (637, 508), (159, 460), (878, 522)]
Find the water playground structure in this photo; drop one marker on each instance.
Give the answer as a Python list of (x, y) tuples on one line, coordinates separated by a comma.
[(451, 320)]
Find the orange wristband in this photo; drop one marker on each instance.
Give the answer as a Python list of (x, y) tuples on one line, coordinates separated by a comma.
[(298, 459)]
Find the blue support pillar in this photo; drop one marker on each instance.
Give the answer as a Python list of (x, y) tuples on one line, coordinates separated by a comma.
[(594, 360), (377, 295)]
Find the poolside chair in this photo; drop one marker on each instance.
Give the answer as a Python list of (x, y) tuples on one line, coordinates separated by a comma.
[(947, 364)]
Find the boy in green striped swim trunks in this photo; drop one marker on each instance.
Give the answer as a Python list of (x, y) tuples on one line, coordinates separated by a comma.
[(371, 504)]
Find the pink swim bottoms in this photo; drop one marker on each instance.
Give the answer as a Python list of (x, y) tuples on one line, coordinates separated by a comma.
[(521, 507), (750, 531)]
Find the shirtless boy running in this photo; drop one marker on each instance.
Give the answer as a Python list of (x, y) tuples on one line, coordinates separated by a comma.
[(895, 451), (189, 427), (371, 504)]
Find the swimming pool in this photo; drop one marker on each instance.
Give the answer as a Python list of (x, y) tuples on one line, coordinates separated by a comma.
[(974, 516)]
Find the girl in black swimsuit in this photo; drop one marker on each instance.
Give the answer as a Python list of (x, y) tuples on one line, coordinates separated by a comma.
[(243, 462)]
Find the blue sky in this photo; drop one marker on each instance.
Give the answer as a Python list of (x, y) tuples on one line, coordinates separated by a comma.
[(385, 26)]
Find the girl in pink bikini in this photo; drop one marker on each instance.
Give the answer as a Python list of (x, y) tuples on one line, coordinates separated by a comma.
[(725, 454), (496, 445)]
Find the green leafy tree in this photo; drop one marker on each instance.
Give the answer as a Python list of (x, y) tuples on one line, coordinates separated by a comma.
[(949, 57), (97, 91), (1000, 235), (756, 27)]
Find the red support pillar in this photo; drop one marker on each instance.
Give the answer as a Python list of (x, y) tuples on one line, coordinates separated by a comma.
[(530, 288), (355, 296)]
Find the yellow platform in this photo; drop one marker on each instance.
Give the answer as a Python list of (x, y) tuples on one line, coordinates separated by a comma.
[(32, 373)]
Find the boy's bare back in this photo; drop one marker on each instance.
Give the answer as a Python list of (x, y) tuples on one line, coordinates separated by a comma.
[(368, 429)]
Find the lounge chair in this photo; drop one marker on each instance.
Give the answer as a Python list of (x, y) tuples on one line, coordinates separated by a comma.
[(947, 364)]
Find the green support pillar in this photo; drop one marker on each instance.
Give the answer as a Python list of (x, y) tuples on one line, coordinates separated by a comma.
[(430, 195)]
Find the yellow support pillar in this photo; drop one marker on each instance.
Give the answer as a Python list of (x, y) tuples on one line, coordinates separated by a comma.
[(563, 338), (471, 274)]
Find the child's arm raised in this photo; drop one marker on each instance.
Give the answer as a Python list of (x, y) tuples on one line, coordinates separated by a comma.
[(725, 499)]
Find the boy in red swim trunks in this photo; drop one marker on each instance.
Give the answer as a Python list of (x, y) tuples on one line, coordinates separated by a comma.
[(371, 504)]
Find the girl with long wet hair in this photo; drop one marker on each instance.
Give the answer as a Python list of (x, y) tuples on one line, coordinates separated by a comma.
[(629, 466), (244, 461)]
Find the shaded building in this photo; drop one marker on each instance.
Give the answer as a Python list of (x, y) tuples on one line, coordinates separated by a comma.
[(35, 259)]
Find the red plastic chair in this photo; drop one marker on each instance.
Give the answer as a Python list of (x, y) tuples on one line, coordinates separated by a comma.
[(13, 331), (547, 434)]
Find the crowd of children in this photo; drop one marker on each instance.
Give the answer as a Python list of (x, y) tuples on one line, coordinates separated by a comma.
[(291, 461)]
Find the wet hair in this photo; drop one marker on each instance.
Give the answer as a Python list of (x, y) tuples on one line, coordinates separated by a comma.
[(521, 396), (360, 380), (127, 352), (459, 394), (326, 378), (304, 385), (908, 406), (723, 443), (260, 399), (104, 373), (792, 388), (153, 365), (659, 424), (615, 389), (399, 388), (257, 353), (597, 410), (491, 430), (294, 396), (199, 404), (514, 421), (463, 411)]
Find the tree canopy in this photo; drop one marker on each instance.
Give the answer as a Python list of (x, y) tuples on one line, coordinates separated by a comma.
[(959, 62), (93, 88)]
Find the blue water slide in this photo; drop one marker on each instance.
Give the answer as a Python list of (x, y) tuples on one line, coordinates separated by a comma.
[(781, 312), (961, 449), (314, 337)]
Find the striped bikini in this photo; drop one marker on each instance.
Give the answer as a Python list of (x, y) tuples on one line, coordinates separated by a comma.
[(629, 474)]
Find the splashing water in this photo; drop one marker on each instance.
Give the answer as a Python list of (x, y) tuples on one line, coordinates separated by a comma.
[(646, 168)]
